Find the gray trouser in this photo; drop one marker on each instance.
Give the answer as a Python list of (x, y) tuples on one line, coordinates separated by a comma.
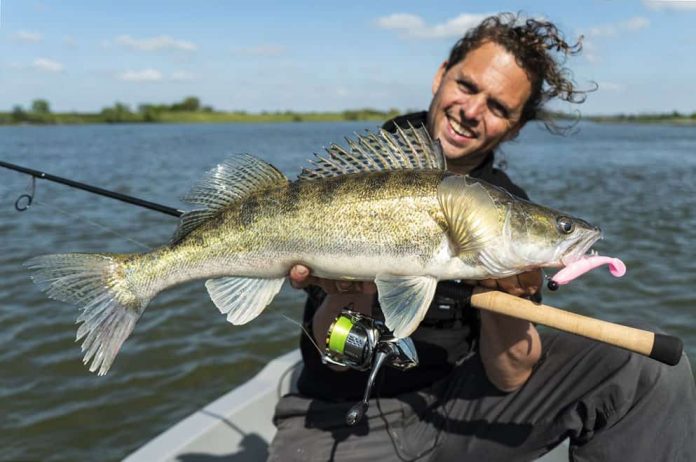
[(613, 405)]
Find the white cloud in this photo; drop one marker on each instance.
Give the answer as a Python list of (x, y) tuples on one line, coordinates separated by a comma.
[(410, 25), (590, 51), (144, 75), (27, 36), (401, 21), (47, 65), (160, 42), (153, 75), (261, 50), (612, 30), (670, 4)]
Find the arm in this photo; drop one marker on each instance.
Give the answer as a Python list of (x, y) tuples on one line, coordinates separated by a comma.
[(510, 347)]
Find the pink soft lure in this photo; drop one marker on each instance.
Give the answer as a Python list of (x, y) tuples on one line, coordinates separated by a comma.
[(582, 266)]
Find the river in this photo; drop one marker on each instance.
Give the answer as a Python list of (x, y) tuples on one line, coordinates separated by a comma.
[(638, 182)]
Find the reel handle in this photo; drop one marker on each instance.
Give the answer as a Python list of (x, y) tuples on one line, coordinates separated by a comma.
[(357, 412)]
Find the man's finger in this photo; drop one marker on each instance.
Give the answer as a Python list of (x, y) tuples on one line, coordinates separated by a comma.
[(346, 287), (355, 287), (489, 283), (369, 287), (300, 277), (531, 281), (511, 285)]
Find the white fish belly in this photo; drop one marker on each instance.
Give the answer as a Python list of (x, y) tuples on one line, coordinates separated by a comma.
[(442, 264)]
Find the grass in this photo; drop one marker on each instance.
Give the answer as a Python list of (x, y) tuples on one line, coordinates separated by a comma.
[(120, 116)]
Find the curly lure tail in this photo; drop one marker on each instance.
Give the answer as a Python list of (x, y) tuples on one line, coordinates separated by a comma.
[(97, 283)]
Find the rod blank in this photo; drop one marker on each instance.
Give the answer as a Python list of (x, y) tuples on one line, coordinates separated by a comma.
[(94, 189)]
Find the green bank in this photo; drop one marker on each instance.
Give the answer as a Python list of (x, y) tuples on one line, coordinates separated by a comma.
[(190, 110)]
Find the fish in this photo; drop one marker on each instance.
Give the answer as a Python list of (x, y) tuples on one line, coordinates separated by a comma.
[(384, 209)]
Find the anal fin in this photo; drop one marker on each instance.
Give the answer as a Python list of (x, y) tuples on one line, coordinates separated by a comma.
[(405, 301), (242, 299)]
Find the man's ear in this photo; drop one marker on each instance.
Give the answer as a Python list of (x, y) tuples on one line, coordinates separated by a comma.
[(438, 76)]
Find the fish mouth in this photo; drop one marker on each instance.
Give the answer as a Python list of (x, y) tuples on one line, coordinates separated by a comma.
[(581, 248)]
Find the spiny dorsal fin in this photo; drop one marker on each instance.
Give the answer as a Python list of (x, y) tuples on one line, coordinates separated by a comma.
[(410, 148), (230, 181)]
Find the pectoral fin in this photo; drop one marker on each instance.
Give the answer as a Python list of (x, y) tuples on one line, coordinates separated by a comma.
[(470, 213), (404, 301), (242, 299)]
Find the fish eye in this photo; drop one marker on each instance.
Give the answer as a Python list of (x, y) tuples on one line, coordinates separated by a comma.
[(565, 225)]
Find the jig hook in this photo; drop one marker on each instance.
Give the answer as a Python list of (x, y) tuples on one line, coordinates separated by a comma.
[(551, 284)]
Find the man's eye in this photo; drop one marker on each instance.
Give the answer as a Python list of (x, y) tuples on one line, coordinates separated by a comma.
[(498, 110), (465, 86)]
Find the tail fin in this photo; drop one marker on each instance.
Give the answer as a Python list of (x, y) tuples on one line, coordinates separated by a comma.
[(96, 283)]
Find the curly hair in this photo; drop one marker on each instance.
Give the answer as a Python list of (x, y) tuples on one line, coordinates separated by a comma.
[(539, 49)]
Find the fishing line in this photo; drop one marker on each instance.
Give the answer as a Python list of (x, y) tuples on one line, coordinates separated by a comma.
[(321, 353), (93, 223)]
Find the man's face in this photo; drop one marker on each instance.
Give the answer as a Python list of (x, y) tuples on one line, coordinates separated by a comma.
[(477, 103)]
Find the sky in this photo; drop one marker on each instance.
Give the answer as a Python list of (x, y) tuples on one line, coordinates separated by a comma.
[(304, 55)]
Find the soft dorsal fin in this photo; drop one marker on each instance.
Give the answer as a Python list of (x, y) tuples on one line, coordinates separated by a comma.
[(410, 148), (230, 181)]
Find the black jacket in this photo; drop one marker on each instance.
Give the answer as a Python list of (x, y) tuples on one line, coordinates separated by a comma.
[(449, 331)]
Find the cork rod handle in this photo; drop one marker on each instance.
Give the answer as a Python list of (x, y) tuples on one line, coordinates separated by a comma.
[(663, 348)]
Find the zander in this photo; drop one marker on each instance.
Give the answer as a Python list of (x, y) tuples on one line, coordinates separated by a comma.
[(385, 209)]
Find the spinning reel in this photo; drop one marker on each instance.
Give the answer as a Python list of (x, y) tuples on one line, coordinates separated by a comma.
[(363, 343)]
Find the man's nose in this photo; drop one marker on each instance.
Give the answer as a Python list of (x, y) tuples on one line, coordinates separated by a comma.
[(475, 106)]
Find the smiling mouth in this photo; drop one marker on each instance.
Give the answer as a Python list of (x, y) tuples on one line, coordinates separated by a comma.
[(460, 129)]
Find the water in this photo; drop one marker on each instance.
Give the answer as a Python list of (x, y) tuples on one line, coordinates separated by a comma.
[(638, 182)]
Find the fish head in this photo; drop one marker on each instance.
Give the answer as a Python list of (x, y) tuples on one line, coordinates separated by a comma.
[(502, 234), (539, 236)]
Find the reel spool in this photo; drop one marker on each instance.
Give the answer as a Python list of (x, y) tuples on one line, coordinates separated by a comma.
[(363, 343)]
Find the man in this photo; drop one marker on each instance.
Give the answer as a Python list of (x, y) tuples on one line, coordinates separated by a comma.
[(489, 387)]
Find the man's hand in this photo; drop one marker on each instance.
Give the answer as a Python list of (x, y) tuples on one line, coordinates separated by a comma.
[(521, 285), (300, 277)]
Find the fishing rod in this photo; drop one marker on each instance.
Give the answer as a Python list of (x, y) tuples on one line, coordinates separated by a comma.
[(663, 348), (24, 201)]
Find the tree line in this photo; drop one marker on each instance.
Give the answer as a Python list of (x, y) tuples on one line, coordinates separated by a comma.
[(189, 109)]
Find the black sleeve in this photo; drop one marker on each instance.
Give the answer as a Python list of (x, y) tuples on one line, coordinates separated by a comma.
[(499, 178), (414, 119)]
